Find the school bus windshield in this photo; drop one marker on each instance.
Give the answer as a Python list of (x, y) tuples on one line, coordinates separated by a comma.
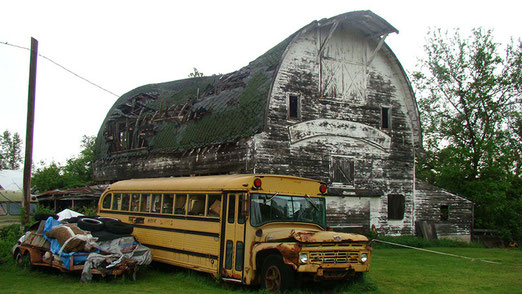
[(267, 208)]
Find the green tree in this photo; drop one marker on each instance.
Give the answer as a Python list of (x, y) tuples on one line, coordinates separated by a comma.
[(48, 177), (470, 102), (10, 151), (77, 171), (196, 74)]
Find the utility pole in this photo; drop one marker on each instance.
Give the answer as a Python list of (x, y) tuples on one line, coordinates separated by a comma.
[(30, 129)]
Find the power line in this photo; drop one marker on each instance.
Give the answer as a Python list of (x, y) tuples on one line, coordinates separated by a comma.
[(62, 67)]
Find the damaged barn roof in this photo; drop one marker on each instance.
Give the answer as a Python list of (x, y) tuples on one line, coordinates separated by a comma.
[(196, 112)]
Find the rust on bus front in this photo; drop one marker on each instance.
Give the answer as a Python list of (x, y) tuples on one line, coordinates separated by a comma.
[(289, 252), (327, 236)]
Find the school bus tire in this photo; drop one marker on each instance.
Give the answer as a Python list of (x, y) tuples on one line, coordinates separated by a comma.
[(276, 275)]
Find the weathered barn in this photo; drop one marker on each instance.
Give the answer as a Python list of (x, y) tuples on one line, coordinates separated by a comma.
[(331, 102), (73, 198)]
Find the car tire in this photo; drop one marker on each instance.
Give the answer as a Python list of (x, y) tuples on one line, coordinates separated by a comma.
[(90, 224), (23, 260), (118, 227), (106, 219)]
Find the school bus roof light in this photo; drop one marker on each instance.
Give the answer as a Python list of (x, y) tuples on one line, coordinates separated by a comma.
[(257, 183), (322, 189)]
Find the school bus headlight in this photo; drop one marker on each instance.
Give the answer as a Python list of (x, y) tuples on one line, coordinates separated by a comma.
[(364, 257), (303, 258)]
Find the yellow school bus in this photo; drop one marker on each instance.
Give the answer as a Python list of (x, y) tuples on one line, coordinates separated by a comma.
[(252, 229)]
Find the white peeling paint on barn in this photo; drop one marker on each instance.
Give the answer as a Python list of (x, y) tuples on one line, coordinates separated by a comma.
[(343, 79), (333, 128)]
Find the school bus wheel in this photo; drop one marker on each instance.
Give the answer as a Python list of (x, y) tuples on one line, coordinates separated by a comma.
[(276, 275)]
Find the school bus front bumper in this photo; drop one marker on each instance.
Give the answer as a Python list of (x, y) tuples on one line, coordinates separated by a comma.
[(325, 263)]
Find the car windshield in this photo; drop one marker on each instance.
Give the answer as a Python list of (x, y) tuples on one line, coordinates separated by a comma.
[(279, 208)]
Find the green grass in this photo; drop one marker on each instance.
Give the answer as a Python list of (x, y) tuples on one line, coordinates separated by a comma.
[(419, 242), (411, 271), (392, 271)]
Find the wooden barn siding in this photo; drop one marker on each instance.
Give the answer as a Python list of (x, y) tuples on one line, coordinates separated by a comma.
[(376, 170), (427, 208), (222, 159)]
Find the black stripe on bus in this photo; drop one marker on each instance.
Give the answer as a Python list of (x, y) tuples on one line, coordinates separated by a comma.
[(208, 234), (181, 251), (187, 217)]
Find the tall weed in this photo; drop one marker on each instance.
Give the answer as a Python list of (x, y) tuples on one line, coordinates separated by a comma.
[(9, 235)]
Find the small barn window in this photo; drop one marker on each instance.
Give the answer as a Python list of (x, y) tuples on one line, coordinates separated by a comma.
[(395, 207), (444, 212), (385, 118), (342, 170), (293, 107)]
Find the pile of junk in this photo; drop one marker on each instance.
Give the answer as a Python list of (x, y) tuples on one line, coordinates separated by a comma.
[(71, 242)]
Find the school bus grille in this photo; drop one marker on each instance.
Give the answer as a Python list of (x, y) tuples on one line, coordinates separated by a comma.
[(333, 257)]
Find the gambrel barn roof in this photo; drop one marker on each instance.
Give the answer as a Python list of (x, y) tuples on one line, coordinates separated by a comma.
[(197, 112)]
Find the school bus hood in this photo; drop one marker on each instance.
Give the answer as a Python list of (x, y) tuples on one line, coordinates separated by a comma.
[(310, 236)]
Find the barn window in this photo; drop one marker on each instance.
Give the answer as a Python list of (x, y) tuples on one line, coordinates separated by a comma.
[(293, 107), (395, 206), (444, 212), (342, 170), (385, 118)]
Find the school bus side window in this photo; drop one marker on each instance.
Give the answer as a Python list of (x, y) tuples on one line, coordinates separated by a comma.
[(181, 200), (116, 202), (107, 201), (156, 203), (168, 200), (145, 203), (214, 205), (125, 199), (196, 204), (135, 202)]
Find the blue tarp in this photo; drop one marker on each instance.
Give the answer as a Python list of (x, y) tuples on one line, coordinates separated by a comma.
[(78, 257)]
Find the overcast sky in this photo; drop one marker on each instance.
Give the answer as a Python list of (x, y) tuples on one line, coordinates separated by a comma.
[(121, 45)]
